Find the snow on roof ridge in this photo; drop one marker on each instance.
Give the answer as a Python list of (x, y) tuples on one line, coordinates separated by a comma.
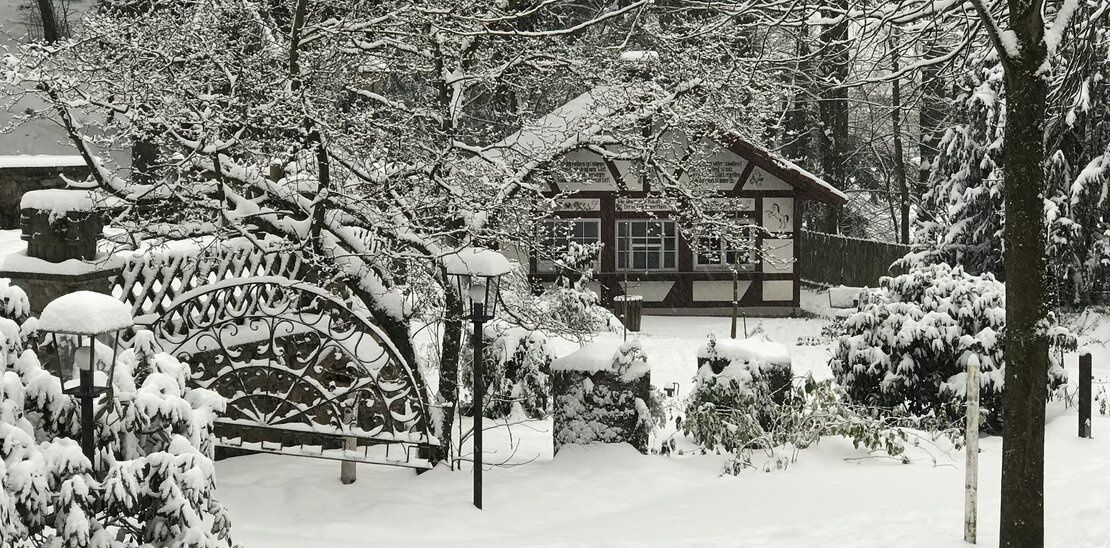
[(17, 161), (787, 164)]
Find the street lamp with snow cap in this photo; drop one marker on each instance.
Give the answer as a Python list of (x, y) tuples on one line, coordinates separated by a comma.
[(85, 365), (477, 275)]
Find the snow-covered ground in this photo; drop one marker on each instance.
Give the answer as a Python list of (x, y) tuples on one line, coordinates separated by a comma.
[(832, 496)]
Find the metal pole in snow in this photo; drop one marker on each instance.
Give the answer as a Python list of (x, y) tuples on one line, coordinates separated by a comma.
[(85, 378), (971, 478), (479, 397), (1085, 395)]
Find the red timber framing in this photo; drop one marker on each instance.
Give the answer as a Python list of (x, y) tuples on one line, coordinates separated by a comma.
[(759, 187)]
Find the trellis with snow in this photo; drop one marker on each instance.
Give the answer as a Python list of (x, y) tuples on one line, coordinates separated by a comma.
[(303, 368)]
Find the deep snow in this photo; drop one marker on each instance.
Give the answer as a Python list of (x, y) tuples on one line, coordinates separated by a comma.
[(613, 496)]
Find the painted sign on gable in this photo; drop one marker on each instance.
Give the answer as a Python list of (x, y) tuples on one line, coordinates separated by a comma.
[(761, 180), (587, 170)]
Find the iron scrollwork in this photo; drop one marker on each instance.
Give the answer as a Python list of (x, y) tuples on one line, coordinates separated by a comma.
[(302, 372)]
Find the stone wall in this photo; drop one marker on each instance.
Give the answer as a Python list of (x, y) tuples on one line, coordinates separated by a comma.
[(16, 181)]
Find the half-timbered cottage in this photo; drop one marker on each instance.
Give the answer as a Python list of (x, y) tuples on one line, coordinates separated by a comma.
[(644, 253)]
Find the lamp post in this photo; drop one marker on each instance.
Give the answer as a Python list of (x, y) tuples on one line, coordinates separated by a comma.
[(477, 275), (74, 321)]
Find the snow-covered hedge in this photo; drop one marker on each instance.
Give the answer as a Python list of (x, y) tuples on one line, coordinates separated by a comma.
[(602, 394), (749, 377), (907, 346), (152, 482), (753, 360)]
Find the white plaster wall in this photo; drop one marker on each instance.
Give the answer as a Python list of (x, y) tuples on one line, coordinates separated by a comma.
[(778, 290), (652, 292), (719, 290), (778, 256)]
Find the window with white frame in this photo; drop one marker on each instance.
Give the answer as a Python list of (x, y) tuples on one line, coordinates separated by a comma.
[(647, 244), (737, 251), (558, 234)]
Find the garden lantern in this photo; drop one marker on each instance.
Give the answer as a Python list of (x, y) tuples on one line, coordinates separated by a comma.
[(78, 323), (476, 274)]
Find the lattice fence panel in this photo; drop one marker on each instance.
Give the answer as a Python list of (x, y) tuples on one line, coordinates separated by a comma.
[(152, 281)]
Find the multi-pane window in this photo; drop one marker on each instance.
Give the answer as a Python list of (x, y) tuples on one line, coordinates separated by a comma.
[(558, 234), (647, 244), (737, 251)]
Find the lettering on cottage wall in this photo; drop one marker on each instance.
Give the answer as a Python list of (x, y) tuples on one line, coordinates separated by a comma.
[(578, 204), (732, 204), (642, 204), (720, 171), (589, 171)]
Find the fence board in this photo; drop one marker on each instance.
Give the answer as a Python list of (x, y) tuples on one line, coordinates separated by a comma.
[(831, 259)]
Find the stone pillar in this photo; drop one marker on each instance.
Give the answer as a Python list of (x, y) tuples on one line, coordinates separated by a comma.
[(62, 229)]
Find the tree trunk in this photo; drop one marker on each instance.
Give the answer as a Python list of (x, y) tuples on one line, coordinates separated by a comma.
[(833, 106), (798, 121), (51, 32), (931, 115), (449, 358), (899, 156), (1022, 513)]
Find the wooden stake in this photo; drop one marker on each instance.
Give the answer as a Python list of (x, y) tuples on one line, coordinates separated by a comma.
[(347, 470), (735, 301), (971, 477)]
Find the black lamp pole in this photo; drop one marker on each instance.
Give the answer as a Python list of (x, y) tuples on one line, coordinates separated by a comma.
[(478, 316), (87, 445), (86, 397)]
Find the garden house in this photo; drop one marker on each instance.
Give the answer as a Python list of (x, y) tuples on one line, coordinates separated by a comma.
[(596, 199)]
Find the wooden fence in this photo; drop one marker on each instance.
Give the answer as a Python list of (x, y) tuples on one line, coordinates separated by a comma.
[(830, 259)]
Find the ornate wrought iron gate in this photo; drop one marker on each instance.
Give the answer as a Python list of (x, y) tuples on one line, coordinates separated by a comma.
[(303, 373)]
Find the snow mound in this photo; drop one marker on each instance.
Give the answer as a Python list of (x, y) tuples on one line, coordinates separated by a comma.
[(476, 261), (40, 160), (59, 201), (85, 313), (756, 349), (623, 358), (845, 297)]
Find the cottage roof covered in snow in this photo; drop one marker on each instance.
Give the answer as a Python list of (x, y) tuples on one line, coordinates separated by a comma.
[(588, 113)]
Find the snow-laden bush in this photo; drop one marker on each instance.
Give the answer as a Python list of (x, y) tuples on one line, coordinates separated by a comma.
[(152, 481), (907, 346), (567, 308), (603, 394), (737, 387), (722, 417), (517, 372)]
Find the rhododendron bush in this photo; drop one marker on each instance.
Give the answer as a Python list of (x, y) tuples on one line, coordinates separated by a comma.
[(907, 346), (152, 480)]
